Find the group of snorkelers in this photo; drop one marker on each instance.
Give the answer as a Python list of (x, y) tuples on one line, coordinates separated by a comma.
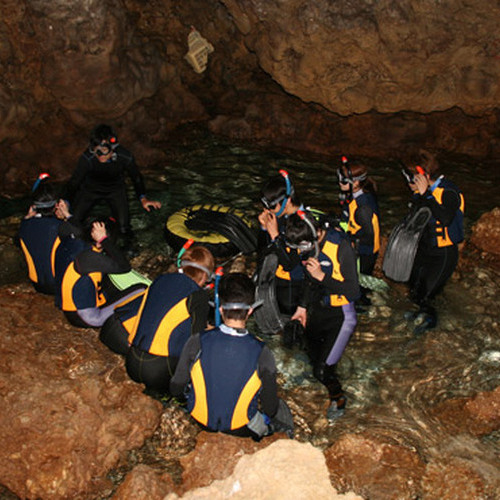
[(179, 343)]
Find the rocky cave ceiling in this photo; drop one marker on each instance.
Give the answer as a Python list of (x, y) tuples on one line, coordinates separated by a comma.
[(368, 76)]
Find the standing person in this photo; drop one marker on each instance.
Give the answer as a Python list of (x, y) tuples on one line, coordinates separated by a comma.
[(437, 253), (38, 236), (100, 175), (326, 307), (87, 296), (360, 210), (176, 306), (280, 201), (228, 374)]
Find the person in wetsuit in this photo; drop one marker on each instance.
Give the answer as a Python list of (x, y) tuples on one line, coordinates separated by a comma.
[(359, 209), (87, 297), (228, 375), (437, 253), (38, 235), (175, 307), (327, 304), (280, 201), (100, 175)]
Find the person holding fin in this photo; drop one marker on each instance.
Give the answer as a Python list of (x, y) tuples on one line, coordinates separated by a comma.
[(228, 375), (437, 252), (280, 200), (87, 296), (38, 235), (175, 307), (100, 175), (359, 208), (326, 309)]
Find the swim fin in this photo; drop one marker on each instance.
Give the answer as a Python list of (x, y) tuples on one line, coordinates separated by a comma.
[(267, 316), (403, 244)]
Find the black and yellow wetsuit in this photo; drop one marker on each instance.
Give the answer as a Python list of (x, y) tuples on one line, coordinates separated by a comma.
[(364, 228), (331, 316), (437, 254), (38, 238), (174, 308), (229, 375)]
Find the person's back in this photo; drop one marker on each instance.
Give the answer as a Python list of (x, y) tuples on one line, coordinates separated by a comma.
[(230, 374), (175, 307), (38, 238)]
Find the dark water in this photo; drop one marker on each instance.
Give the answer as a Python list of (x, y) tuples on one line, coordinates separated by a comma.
[(393, 379)]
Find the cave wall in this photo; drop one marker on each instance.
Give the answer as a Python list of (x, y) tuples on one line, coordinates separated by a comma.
[(366, 77)]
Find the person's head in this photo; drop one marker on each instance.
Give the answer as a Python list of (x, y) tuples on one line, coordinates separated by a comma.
[(302, 232), (423, 162), (110, 226), (278, 190), (103, 142), (354, 176), (198, 263), (237, 295), (44, 197)]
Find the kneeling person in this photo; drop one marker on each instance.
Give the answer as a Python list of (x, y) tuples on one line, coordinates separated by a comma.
[(175, 307), (228, 375)]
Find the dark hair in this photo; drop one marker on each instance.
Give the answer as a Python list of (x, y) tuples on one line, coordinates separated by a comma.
[(359, 169), (199, 255), (44, 199), (275, 188), (236, 288), (424, 159), (102, 133), (297, 229)]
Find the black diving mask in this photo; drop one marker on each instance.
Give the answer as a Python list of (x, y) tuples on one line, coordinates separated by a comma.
[(271, 205)]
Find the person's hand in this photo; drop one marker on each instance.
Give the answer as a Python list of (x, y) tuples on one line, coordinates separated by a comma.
[(98, 232), (269, 222), (314, 268), (300, 314), (149, 204), (31, 212), (420, 183), (62, 210)]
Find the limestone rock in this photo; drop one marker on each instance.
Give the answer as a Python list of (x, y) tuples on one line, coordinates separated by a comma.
[(373, 468), (486, 232), (69, 412), (284, 469)]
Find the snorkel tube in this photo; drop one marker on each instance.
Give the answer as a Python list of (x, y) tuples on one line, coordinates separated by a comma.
[(218, 275), (40, 178), (182, 251), (288, 192), (303, 216)]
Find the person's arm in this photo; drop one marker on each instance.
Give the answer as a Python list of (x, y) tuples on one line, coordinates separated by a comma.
[(182, 375), (111, 261), (445, 212), (198, 308), (269, 391), (363, 218)]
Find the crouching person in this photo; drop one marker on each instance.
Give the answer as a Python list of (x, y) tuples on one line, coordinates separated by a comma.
[(229, 376)]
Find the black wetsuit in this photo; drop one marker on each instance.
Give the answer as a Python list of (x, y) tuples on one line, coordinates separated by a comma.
[(437, 254), (93, 181)]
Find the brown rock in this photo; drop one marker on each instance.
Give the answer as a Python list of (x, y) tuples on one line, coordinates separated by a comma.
[(374, 469), (145, 483), (215, 456), (284, 469), (486, 232), (69, 412)]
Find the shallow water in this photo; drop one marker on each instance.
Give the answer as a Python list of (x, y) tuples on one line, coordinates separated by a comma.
[(393, 379)]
